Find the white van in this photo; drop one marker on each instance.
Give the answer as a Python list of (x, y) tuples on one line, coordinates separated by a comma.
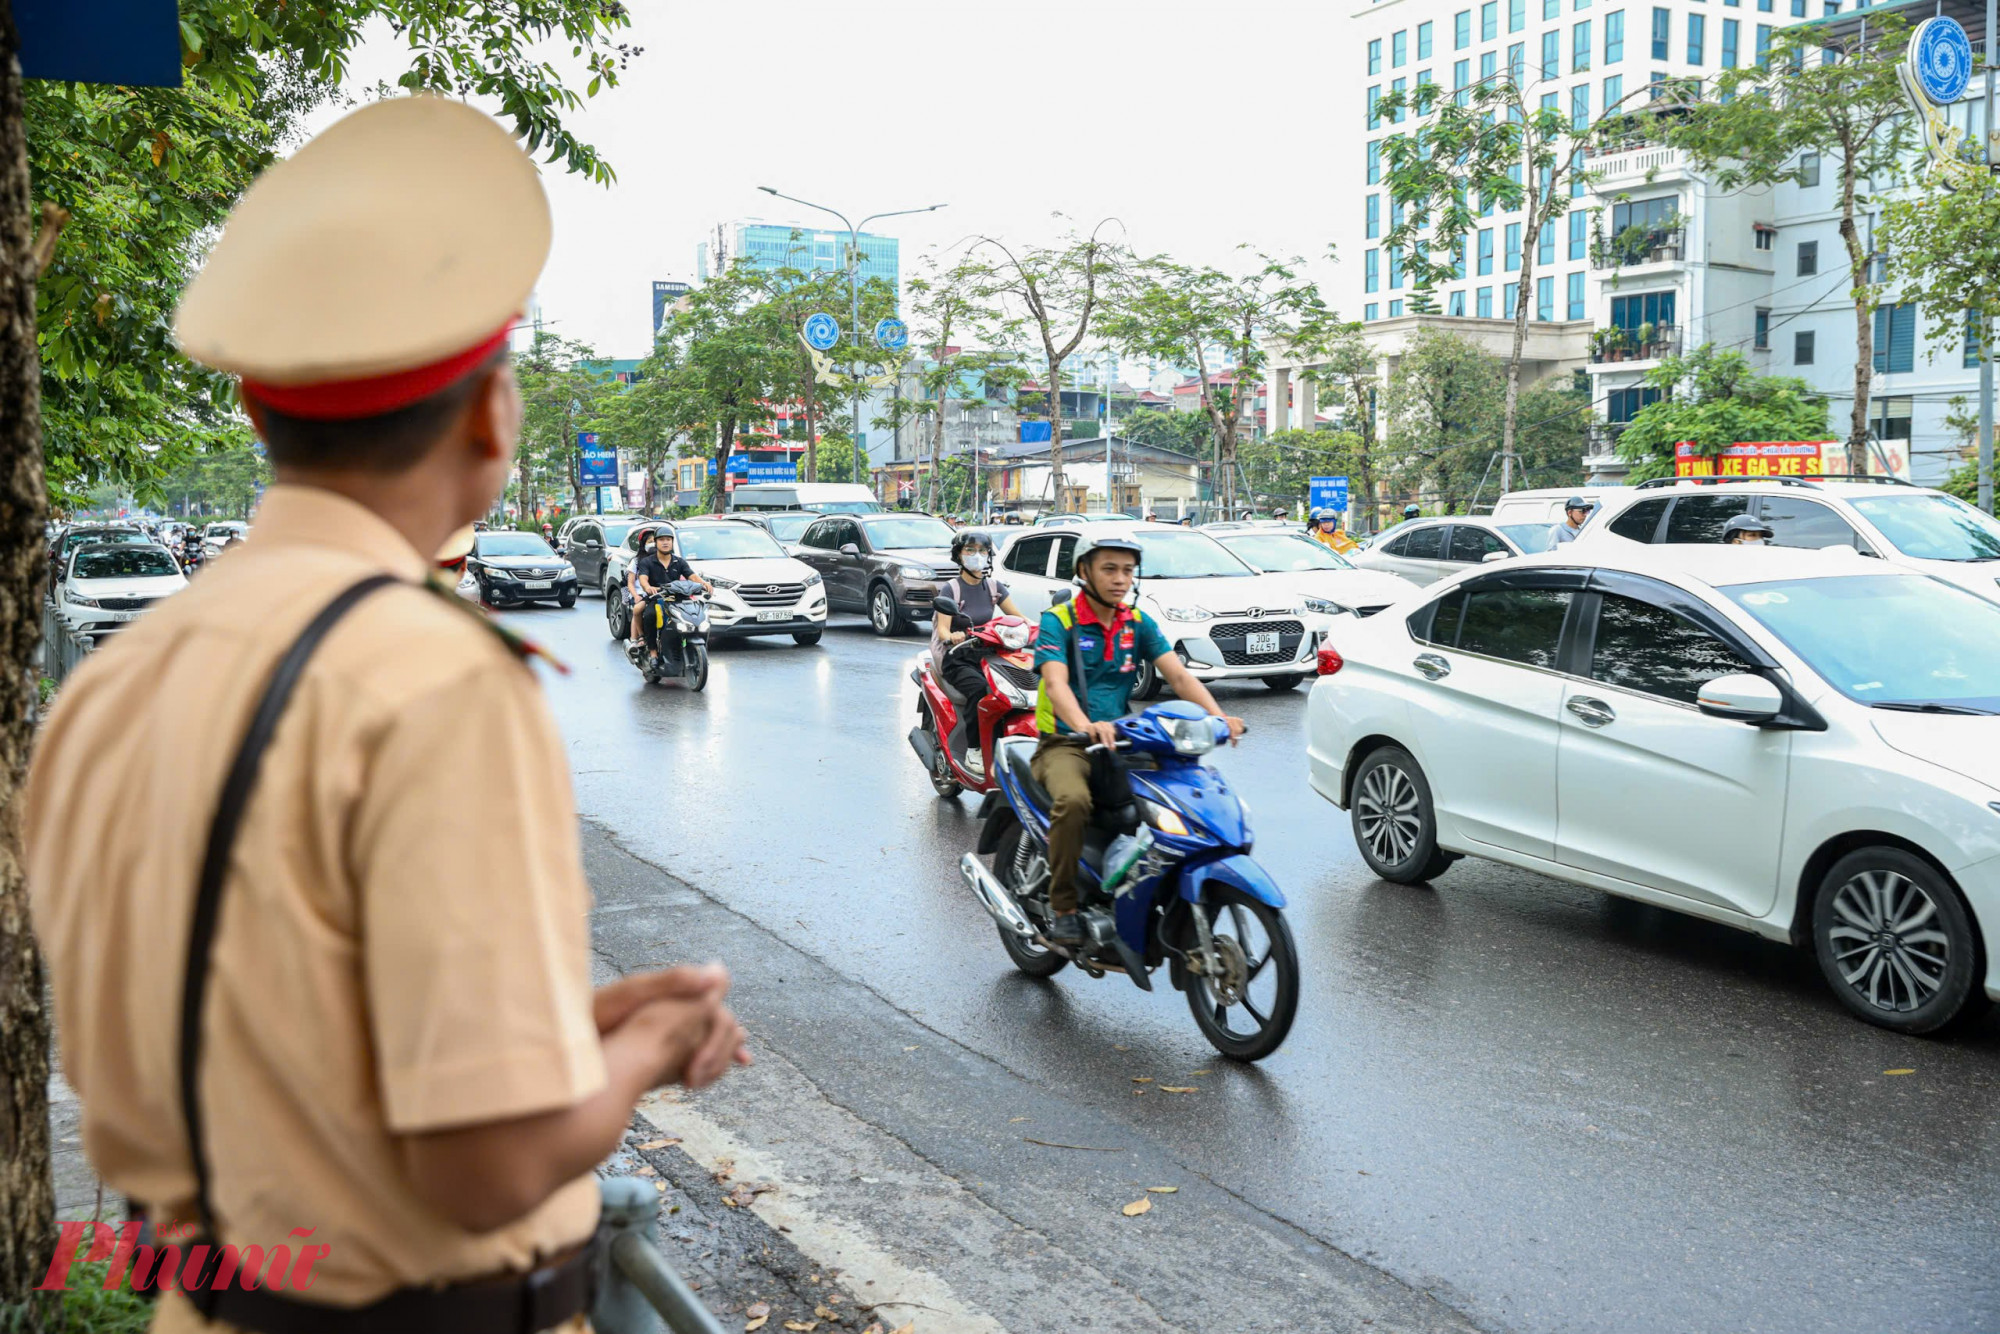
[(826, 497), (1546, 506)]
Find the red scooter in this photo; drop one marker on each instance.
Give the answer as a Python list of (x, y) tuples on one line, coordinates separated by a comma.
[(1007, 644)]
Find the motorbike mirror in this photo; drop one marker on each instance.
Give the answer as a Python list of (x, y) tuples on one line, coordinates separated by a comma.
[(1060, 596), (849, 549)]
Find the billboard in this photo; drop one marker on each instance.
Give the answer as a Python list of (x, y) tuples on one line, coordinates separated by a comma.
[(595, 465), (1329, 493), (1767, 458), (664, 296)]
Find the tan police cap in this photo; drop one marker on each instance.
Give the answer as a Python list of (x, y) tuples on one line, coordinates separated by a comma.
[(374, 266), (457, 547)]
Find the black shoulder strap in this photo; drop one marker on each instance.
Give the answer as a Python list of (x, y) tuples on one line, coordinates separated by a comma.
[(215, 865)]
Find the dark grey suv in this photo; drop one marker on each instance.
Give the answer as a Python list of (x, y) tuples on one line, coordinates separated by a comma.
[(887, 565)]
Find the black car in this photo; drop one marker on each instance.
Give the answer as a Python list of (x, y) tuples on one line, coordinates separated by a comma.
[(520, 567)]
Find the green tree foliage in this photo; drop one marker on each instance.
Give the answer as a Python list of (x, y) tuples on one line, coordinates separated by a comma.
[(949, 306), (1713, 399), (1500, 148), (1347, 371), (1944, 257), (1179, 313), (222, 479), (1279, 466), (792, 295), (562, 395), (1840, 105), (1184, 432), (1444, 409), (718, 360)]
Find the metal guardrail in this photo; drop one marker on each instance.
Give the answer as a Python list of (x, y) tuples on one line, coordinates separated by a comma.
[(638, 1292), (62, 647)]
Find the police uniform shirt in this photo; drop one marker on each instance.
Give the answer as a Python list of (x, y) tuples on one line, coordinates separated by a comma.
[(403, 942)]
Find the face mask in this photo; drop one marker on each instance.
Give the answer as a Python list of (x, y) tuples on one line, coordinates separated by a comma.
[(976, 561), (1750, 542)]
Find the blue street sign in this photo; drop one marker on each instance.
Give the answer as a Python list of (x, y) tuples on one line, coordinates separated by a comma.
[(1328, 493), (772, 472), (822, 332), (1940, 58), (893, 335), (595, 466), (131, 42)]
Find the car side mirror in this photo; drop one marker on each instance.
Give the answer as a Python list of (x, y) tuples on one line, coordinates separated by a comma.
[(1060, 596), (1492, 556), (849, 549), (1741, 698), (594, 544)]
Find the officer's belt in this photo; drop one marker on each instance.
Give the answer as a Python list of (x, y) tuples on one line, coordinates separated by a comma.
[(540, 1299)]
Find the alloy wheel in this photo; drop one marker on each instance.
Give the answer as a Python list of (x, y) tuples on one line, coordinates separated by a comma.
[(1387, 814), (1887, 941)]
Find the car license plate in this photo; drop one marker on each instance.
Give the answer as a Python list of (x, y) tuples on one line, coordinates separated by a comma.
[(1264, 642), (774, 616), (538, 583)]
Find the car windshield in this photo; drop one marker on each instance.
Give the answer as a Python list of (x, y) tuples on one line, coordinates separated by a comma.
[(616, 530), (1932, 527), (128, 562), (1186, 556), (790, 527), (736, 541), (513, 544), (1530, 537), (75, 540), (223, 530), (1284, 552), (904, 534), (847, 507), (1886, 639)]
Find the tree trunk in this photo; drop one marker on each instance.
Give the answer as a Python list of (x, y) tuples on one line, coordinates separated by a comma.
[(711, 490), (1864, 333), (27, 1186), (1523, 294), (1055, 429), (812, 432)]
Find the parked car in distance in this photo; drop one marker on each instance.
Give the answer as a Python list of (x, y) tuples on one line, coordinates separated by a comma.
[(1226, 620), (1072, 520), (1427, 550), (1800, 744), (826, 497), (83, 534), (1545, 505), (108, 584), (1329, 583), (1915, 527), (589, 542), (759, 590), (887, 565), (788, 526), (519, 568)]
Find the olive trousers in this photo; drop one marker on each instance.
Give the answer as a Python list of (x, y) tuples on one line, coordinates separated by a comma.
[(1063, 769)]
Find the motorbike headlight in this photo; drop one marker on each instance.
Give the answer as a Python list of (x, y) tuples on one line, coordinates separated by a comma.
[(720, 582), (1191, 736), (1324, 607), (811, 579), (1015, 636), (1162, 818), (1188, 613)]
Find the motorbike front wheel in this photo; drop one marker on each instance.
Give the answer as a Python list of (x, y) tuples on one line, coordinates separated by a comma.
[(1246, 998), (697, 664), (1018, 862)]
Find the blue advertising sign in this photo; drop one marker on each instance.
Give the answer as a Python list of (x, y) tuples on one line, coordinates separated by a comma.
[(132, 42), (595, 466), (822, 332), (893, 335), (1328, 493), (772, 472), (1940, 59)]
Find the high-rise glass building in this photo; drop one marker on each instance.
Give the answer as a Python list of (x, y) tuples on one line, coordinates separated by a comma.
[(772, 246)]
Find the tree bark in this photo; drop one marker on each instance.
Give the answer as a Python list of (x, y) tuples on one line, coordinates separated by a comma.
[(27, 1185), (1523, 294), (1864, 333), (1055, 426)]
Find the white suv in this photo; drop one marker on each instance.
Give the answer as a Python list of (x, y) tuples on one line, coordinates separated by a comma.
[(1912, 526), (1801, 744)]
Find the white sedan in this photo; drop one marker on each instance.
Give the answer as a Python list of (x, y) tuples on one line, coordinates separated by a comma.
[(1226, 620), (1801, 744), (1328, 582), (759, 590), (106, 585)]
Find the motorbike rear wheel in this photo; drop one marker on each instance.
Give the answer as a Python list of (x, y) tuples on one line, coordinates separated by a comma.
[(943, 781), (1018, 863), (1247, 1011)]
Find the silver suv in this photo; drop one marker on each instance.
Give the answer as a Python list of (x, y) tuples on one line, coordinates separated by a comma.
[(1911, 526)]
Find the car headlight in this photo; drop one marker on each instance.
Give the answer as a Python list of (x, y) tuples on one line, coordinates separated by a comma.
[(1188, 613), (1162, 818), (720, 582), (492, 573), (811, 579), (1324, 607), (83, 601)]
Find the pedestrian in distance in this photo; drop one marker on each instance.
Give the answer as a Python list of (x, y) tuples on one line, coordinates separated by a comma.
[(1746, 530), (300, 843), (1576, 513)]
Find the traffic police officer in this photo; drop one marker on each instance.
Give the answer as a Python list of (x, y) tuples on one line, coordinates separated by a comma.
[(365, 1013)]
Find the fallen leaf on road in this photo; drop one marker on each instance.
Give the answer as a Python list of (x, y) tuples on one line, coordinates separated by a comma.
[(724, 1169), (1899, 1072), (802, 1326), (740, 1197), (910, 1328), (1138, 1093), (1142, 1079), (763, 1187), (1172, 1088), (754, 1322), (645, 1170), (1012, 1119), (1119, 1046), (660, 1143), (1137, 1207), (1162, 1190), (909, 1049), (825, 1314), (1193, 1074)]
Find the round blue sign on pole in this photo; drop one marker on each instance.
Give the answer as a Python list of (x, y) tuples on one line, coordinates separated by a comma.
[(1941, 59), (822, 332), (892, 334)]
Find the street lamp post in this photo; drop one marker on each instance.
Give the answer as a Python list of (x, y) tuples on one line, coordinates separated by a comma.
[(854, 295)]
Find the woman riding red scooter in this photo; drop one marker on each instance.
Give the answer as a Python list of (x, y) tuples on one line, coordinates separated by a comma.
[(969, 601)]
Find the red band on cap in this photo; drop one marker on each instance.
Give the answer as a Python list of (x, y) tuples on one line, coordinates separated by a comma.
[(348, 400)]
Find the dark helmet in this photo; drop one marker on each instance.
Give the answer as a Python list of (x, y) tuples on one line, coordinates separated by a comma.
[(1577, 503), (1746, 523), (962, 541), (1412, 511)]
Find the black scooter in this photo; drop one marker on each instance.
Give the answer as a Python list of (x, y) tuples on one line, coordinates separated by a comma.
[(678, 618)]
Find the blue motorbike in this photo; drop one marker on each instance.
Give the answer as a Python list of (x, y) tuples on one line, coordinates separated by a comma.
[(1184, 891)]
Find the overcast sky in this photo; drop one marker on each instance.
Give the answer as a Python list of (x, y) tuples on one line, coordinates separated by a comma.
[(1200, 126)]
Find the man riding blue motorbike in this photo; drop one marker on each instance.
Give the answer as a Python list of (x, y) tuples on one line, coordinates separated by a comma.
[(1105, 640)]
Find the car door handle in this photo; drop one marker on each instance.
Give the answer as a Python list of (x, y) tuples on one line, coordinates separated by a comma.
[(1592, 712), (1432, 666)]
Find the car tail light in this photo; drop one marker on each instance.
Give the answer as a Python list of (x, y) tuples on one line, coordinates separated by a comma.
[(1330, 661)]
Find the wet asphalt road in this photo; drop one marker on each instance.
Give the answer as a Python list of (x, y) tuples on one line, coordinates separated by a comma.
[(1552, 1109)]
